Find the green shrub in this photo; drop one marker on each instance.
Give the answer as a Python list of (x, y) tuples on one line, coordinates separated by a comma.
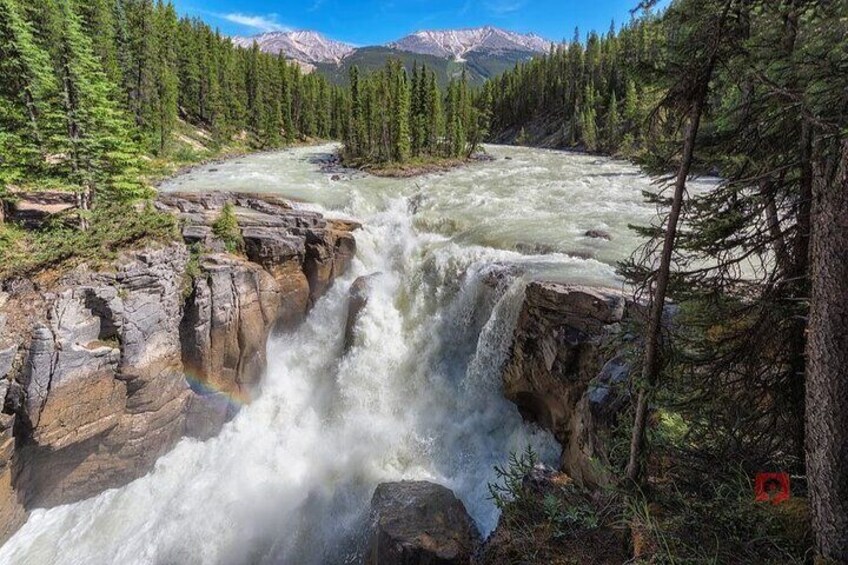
[(226, 228)]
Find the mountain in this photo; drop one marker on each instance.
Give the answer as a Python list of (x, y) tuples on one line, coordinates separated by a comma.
[(481, 52), (301, 46), (457, 44), (372, 59)]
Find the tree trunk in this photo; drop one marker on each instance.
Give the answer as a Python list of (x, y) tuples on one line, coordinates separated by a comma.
[(800, 284), (827, 361), (651, 363)]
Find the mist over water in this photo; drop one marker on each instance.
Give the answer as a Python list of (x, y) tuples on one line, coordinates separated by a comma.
[(418, 396)]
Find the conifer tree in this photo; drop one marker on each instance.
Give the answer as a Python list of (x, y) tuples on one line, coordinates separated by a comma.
[(30, 120), (612, 124), (165, 75)]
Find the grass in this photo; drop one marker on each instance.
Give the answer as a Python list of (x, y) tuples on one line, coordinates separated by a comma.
[(113, 228), (711, 519), (721, 524), (547, 518)]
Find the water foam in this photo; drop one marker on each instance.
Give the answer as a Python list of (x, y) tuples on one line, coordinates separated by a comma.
[(417, 397)]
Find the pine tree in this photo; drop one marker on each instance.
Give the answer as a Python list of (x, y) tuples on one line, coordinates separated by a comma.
[(588, 120), (612, 125), (30, 120), (401, 129), (435, 120), (165, 75), (696, 25)]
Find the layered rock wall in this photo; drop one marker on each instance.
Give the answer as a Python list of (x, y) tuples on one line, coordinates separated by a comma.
[(103, 371), (566, 371)]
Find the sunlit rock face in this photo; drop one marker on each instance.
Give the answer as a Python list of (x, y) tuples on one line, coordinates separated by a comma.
[(96, 387)]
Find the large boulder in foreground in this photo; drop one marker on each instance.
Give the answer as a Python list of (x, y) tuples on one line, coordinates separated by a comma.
[(564, 373), (419, 523)]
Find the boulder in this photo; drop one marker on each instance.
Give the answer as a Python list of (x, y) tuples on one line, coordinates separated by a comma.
[(419, 523), (535, 248), (554, 370), (598, 234), (357, 301)]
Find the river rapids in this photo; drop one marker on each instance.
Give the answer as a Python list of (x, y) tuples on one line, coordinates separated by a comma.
[(289, 480)]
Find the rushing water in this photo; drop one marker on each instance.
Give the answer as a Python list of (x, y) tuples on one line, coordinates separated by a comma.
[(290, 479)]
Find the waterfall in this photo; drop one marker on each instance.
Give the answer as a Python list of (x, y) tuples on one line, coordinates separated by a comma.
[(289, 480)]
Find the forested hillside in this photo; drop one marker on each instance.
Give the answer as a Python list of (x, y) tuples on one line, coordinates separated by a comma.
[(90, 87), (93, 87), (594, 94)]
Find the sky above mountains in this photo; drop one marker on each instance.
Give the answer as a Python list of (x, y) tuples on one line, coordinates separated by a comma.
[(372, 22)]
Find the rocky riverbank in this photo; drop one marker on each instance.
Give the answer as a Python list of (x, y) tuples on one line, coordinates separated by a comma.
[(103, 371)]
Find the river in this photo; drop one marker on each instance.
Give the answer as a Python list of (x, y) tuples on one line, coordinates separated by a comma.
[(290, 479)]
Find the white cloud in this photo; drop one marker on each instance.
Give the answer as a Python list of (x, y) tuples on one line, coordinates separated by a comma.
[(493, 7), (264, 23), (500, 7)]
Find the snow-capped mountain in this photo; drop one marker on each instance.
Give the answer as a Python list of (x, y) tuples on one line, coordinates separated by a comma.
[(301, 46), (456, 44), (482, 52)]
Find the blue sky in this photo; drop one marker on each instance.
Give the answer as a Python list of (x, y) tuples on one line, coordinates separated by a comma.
[(369, 22)]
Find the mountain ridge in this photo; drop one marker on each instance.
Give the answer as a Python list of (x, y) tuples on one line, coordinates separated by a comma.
[(312, 47), (457, 43), (305, 46)]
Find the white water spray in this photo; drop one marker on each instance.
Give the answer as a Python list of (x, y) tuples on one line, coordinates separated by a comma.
[(417, 397)]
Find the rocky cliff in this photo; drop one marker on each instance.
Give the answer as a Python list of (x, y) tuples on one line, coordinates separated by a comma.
[(103, 370), (567, 372)]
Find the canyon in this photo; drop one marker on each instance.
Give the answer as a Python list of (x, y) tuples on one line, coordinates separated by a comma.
[(372, 336)]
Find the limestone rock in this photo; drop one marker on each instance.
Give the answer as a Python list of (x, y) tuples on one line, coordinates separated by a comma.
[(598, 234), (102, 381), (419, 523), (329, 253), (282, 255), (207, 413), (552, 373), (95, 369), (303, 250), (233, 306)]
